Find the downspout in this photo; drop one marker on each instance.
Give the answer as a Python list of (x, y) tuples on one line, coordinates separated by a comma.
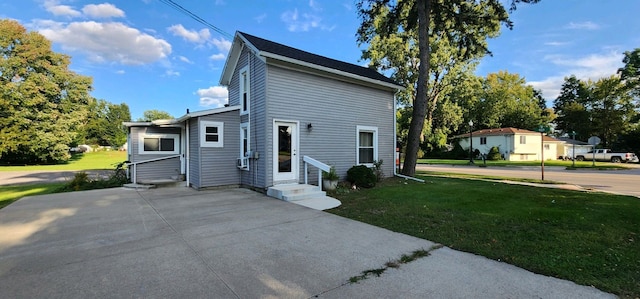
[(187, 175), (395, 143)]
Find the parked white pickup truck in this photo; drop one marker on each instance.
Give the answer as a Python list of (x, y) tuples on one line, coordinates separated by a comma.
[(608, 155)]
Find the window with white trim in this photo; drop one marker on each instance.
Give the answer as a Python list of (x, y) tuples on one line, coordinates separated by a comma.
[(547, 147), (245, 88), (523, 139), (366, 145), (483, 140), (159, 144), (245, 146), (211, 134)]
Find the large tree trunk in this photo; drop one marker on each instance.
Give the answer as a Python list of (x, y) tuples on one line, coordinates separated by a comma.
[(420, 102)]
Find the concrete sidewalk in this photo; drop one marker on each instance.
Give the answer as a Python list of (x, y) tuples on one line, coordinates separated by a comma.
[(181, 243)]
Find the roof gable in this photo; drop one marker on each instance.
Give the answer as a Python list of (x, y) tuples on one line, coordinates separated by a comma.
[(273, 50)]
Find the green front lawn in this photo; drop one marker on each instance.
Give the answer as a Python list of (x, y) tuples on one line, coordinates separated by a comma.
[(86, 161), (9, 194), (578, 164), (588, 238)]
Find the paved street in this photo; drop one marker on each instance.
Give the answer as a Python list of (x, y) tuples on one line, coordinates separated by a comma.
[(45, 176), (617, 181)]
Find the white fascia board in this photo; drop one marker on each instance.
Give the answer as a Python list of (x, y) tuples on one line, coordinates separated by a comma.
[(207, 112), (330, 70), (137, 124), (162, 122), (239, 42)]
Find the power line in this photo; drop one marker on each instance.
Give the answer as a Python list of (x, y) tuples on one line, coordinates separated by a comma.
[(185, 11)]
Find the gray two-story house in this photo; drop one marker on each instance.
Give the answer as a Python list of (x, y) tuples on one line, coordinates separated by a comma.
[(288, 109)]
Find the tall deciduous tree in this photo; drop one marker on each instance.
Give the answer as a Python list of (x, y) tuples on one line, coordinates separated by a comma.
[(612, 109), (507, 101), (630, 73), (104, 124), (572, 109), (153, 114), (42, 102), (465, 23)]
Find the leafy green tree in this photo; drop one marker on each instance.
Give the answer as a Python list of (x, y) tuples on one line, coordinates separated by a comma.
[(612, 109), (116, 115), (42, 102), (572, 108), (630, 73), (151, 115), (507, 101), (464, 23), (104, 124)]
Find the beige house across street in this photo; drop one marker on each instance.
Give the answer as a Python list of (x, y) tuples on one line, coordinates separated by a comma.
[(514, 144)]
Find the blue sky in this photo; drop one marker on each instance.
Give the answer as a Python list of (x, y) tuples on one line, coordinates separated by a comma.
[(150, 56)]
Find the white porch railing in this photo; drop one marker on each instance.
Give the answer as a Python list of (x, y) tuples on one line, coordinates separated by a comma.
[(134, 170), (321, 167)]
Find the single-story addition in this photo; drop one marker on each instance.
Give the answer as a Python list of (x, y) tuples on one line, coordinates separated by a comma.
[(514, 144), (290, 113)]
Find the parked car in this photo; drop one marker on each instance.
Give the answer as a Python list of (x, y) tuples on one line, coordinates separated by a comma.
[(607, 155)]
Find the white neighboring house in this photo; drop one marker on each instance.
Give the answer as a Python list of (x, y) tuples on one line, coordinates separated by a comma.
[(514, 144)]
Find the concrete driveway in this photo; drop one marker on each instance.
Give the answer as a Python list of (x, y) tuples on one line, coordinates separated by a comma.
[(236, 243)]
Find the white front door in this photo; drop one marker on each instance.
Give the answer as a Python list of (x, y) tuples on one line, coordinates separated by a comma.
[(285, 152)]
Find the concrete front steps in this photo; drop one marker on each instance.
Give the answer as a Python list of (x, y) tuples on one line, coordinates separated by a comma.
[(305, 195)]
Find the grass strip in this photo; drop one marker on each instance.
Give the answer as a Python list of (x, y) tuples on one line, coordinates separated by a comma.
[(404, 259), (86, 161), (9, 194), (503, 163), (485, 177)]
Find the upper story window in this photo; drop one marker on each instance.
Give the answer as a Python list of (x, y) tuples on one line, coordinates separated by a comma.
[(245, 90), (523, 139), (159, 144), (211, 134), (367, 145), (483, 140), (245, 146)]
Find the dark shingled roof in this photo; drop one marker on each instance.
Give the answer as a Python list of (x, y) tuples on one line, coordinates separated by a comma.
[(286, 51)]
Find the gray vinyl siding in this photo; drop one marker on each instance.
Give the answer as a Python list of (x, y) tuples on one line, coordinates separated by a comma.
[(217, 165), (234, 85), (163, 169), (334, 108), (255, 176), (194, 154)]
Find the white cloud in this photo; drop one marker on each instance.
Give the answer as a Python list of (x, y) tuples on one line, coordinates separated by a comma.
[(120, 72), (185, 59), (584, 25), (218, 56), (104, 10), (590, 67), (222, 44), (198, 37), (214, 96), (172, 73), (102, 42), (314, 5), (260, 18), (297, 22), (556, 44), (56, 9)]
